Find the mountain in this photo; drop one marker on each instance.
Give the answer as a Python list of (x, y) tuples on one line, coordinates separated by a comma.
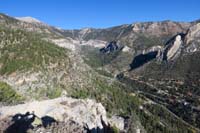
[(144, 75), (28, 19)]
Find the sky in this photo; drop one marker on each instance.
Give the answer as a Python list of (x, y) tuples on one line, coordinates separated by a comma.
[(76, 14)]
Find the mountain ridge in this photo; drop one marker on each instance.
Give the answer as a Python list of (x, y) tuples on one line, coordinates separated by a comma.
[(41, 62)]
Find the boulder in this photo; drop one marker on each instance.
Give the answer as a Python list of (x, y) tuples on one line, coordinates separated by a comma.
[(86, 113)]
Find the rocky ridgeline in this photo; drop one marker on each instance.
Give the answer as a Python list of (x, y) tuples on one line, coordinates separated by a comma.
[(181, 42), (73, 115), (166, 53), (192, 39)]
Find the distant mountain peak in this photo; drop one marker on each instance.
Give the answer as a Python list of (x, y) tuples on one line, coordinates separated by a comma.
[(28, 19)]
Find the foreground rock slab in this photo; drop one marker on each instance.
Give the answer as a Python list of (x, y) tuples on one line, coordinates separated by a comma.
[(86, 112)]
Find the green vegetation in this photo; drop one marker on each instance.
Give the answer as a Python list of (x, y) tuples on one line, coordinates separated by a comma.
[(114, 97), (54, 93), (95, 59), (104, 72), (143, 42), (155, 117), (7, 19), (8, 95), (115, 129), (80, 94), (158, 119), (117, 99), (21, 51), (40, 93)]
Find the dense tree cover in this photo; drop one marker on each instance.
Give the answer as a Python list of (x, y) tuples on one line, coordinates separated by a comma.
[(117, 99), (22, 50)]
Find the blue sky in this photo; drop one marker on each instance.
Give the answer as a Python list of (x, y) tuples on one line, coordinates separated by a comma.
[(75, 14)]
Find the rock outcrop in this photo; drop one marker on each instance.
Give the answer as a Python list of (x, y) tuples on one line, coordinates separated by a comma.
[(160, 28), (193, 33), (166, 53), (71, 71), (111, 47), (30, 123), (62, 109), (172, 48), (192, 39), (86, 113)]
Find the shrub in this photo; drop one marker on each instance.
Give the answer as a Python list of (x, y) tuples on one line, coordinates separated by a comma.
[(8, 95), (54, 93)]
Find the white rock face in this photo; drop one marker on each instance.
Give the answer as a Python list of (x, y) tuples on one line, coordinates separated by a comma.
[(66, 43), (138, 130), (136, 27), (84, 112), (117, 122), (84, 31), (28, 19), (152, 49), (126, 49), (193, 33), (94, 43), (72, 44), (193, 47), (192, 39), (175, 47)]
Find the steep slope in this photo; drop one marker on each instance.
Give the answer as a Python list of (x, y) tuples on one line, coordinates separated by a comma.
[(33, 68), (135, 38), (49, 33), (171, 78), (10, 22), (39, 62), (165, 65), (163, 60), (128, 34)]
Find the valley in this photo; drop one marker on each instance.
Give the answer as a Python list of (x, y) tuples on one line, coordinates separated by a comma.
[(137, 78)]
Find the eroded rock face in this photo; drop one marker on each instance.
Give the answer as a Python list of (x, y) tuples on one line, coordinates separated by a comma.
[(193, 33), (66, 43), (84, 112), (172, 48), (166, 53), (93, 43), (160, 28), (153, 49), (118, 122), (175, 47), (188, 43), (192, 39), (111, 47)]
